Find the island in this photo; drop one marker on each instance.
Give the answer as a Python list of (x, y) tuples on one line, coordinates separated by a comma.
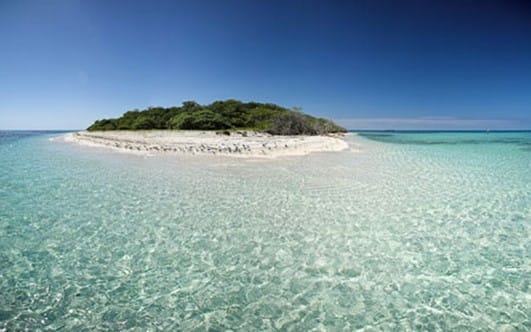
[(230, 127)]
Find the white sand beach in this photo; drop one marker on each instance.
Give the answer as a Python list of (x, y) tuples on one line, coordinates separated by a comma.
[(246, 144)]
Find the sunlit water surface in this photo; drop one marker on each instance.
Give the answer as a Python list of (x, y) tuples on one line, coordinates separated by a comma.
[(405, 231)]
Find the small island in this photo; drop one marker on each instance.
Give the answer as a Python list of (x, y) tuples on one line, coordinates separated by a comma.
[(230, 128), (222, 115)]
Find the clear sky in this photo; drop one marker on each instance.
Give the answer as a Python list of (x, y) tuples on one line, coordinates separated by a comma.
[(367, 64)]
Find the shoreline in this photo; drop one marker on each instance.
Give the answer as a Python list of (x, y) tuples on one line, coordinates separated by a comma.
[(240, 144)]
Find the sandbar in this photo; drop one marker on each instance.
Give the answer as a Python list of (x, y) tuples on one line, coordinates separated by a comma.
[(244, 144)]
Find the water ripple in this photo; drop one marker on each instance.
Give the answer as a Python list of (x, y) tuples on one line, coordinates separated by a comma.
[(396, 237)]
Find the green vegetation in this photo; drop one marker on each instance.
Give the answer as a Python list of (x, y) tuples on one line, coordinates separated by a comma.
[(222, 115)]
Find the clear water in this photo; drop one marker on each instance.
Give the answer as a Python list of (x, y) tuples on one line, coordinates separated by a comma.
[(417, 231)]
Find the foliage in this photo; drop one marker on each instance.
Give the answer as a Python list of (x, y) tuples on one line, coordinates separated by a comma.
[(221, 115), (297, 123), (294, 123), (201, 119)]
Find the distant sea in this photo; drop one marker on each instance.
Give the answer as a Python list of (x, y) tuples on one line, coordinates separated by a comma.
[(406, 231)]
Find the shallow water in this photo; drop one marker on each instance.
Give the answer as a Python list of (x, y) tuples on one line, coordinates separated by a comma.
[(414, 231)]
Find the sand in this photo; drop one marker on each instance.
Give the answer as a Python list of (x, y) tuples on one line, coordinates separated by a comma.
[(243, 144)]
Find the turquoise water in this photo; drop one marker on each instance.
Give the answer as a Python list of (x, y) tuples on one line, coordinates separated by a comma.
[(406, 231)]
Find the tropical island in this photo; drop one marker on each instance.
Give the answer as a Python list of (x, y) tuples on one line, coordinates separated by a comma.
[(227, 128), (222, 115)]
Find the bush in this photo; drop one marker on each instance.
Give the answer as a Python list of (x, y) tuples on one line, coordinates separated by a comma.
[(181, 121), (143, 122), (292, 123), (222, 115), (104, 124), (199, 120)]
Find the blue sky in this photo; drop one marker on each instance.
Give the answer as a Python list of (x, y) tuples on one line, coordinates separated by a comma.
[(367, 64)]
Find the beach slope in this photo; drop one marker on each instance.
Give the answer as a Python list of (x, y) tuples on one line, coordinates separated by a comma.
[(248, 144)]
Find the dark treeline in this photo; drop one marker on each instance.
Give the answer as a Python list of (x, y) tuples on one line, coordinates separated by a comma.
[(222, 115)]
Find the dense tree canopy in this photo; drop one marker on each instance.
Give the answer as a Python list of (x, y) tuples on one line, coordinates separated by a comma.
[(222, 115)]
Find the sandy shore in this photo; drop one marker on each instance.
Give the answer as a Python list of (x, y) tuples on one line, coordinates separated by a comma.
[(237, 144)]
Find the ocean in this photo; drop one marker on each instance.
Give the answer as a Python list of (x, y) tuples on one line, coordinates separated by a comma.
[(404, 231)]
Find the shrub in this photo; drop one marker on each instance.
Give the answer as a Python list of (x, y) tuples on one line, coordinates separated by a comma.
[(292, 123), (199, 120), (144, 122), (222, 115), (105, 124)]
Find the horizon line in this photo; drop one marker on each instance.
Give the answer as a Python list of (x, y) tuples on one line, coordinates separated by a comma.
[(348, 130)]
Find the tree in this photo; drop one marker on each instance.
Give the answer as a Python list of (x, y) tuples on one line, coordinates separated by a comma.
[(144, 122), (222, 115)]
